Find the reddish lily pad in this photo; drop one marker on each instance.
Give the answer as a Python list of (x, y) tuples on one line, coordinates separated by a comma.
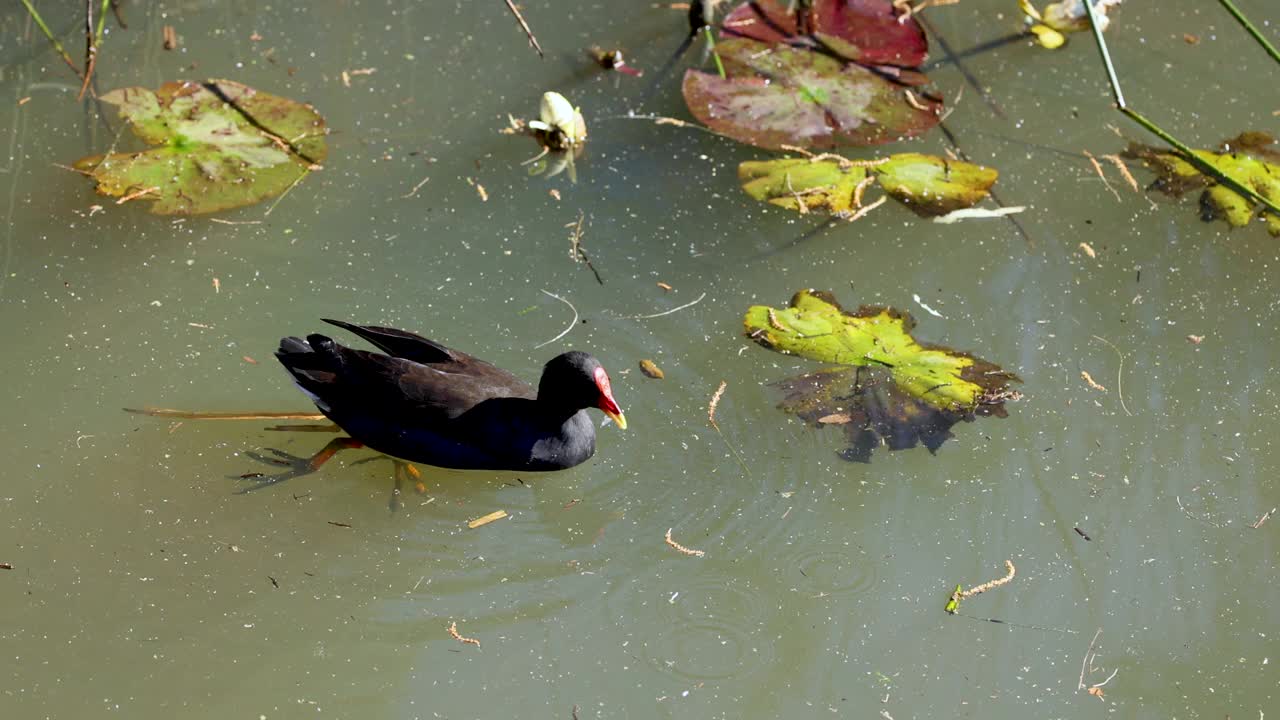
[(782, 95), (218, 145), (864, 31)]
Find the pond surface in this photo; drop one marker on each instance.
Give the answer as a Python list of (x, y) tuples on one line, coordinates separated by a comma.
[(144, 585)]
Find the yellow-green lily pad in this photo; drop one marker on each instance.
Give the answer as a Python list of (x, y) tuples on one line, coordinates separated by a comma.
[(927, 184), (216, 145), (1249, 157), (893, 389)]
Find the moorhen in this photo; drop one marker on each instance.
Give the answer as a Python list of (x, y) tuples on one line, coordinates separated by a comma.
[(424, 402)]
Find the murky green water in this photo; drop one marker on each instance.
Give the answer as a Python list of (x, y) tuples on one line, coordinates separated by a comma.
[(142, 585)]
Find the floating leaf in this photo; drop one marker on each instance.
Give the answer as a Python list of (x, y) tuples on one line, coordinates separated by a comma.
[(898, 392), (219, 145), (842, 80), (864, 31), (651, 369), (928, 185), (1249, 158)]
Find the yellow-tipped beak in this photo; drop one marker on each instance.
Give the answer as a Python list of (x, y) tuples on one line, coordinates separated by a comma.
[(618, 418)]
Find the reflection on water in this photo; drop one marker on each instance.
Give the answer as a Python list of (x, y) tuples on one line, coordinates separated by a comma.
[(142, 582)]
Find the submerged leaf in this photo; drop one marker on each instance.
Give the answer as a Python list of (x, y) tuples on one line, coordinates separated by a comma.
[(1250, 158), (219, 145), (928, 185), (899, 392)]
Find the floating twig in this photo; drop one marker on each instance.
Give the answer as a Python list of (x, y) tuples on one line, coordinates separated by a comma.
[(486, 519), (1265, 516), (533, 41), (415, 189), (1124, 171), (862, 211), (576, 251), (218, 415), (572, 322), (453, 633), (1097, 168), (668, 312), (1085, 662), (137, 194), (1119, 374), (93, 38), (711, 417), (682, 549), (1192, 516)]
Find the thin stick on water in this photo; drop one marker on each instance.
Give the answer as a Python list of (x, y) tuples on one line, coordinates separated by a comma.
[(1184, 151), (668, 312), (572, 322), (93, 39), (1119, 374), (711, 417), (1249, 27), (533, 41), (219, 415), (1085, 662)]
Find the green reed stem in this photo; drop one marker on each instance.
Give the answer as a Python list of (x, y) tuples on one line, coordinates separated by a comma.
[(1187, 153), (35, 15), (1257, 35), (711, 42)]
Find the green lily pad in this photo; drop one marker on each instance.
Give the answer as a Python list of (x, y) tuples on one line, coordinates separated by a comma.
[(928, 185), (217, 145), (1249, 158), (893, 391)]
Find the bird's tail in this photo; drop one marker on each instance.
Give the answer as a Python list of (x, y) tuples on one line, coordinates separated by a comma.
[(314, 364)]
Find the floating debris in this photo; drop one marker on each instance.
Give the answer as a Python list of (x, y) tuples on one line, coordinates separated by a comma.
[(682, 549)]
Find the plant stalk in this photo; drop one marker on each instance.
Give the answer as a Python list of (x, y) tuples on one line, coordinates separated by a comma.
[(49, 34), (1252, 30), (1187, 153)]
